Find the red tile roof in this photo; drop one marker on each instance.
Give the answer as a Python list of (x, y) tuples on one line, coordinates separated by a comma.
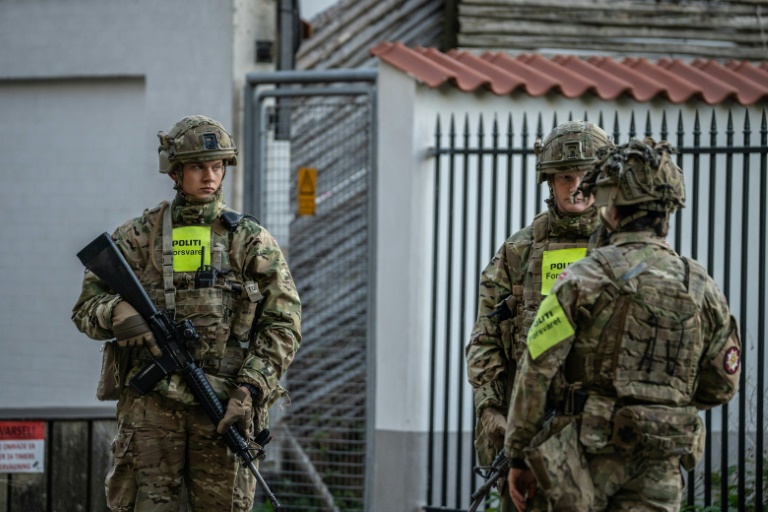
[(574, 76)]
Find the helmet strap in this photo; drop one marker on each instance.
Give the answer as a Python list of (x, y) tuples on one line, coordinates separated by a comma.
[(606, 215), (627, 220)]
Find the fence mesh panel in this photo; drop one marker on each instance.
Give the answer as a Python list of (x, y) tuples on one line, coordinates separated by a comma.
[(317, 460)]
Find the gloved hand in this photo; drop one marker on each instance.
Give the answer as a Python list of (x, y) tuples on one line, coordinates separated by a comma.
[(239, 409), (494, 426), (131, 330)]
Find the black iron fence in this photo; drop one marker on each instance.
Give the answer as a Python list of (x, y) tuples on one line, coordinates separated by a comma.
[(485, 190)]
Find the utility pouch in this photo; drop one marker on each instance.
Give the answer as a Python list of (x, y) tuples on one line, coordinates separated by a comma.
[(596, 422), (114, 370), (561, 470), (660, 431)]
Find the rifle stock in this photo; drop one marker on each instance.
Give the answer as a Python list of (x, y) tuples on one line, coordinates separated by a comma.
[(103, 258)]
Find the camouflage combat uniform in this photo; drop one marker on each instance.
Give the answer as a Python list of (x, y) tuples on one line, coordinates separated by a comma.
[(645, 339), (249, 327), (512, 284), (515, 281)]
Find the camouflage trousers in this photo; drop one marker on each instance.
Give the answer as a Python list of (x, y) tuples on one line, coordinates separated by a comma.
[(161, 443), (632, 482)]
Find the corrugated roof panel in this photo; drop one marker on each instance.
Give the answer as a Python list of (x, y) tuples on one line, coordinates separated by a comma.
[(573, 76)]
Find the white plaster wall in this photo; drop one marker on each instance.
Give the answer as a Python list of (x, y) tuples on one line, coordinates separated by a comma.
[(401, 383)]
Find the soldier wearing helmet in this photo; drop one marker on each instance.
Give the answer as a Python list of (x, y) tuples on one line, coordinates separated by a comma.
[(224, 272), (521, 274), (642, 339)]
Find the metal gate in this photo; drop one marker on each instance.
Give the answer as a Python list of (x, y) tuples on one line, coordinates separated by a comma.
[(324, 121), (485, 190)]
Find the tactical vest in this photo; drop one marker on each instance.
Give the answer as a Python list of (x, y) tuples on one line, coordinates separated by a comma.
[(523, 303), (528, 296), (642, 341), (222, 311)]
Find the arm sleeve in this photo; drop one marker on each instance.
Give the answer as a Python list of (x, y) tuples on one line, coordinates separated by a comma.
[(720, 365), (276, 336), (528, 405), (488, 362)]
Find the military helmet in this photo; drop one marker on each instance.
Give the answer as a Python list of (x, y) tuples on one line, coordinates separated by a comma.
[(638, 173), (571, 146), (195, 138)]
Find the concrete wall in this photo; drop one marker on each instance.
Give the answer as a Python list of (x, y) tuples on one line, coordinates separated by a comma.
[(85, 85)]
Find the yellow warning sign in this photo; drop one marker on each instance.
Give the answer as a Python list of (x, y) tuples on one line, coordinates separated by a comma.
[(307, 190)]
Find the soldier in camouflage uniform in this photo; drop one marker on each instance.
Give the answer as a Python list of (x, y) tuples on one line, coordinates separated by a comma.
[(521, 273), (248, 320), (644, 340)]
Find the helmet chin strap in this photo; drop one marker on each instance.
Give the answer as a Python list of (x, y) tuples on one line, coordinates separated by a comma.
[(610, 223)]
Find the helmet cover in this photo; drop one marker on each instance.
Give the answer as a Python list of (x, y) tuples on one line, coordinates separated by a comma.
[(638, 173), (569, 147), (195, 138)]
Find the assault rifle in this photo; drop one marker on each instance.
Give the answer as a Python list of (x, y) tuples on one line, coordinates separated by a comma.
[(104, 259), (497, 469)]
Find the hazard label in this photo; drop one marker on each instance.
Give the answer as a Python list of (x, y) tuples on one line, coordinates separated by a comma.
[(307, 181), (22, 446)]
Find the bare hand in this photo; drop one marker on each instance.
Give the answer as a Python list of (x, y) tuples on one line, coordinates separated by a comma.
[(522, 486)]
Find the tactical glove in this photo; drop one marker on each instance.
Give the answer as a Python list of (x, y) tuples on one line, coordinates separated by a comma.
[(131, 330), (239, 410), (494, 426)]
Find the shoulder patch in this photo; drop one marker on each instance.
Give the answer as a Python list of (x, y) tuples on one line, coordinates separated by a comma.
[(732, 360)]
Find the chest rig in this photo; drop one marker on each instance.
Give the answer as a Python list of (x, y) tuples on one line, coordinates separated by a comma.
[(216, 298), (529, 294), (643, 339)]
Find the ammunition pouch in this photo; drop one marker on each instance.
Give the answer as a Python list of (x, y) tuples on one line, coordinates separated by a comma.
[(660, 431), (227, 366), (115, 364), (572, 401), (596, 427), (560, 467)]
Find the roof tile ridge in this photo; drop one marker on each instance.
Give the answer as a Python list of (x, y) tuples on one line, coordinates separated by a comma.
[(503, 81), (467, 78), (571, 84), (536, 82), (643, 88), (677, 89), (748, 91), (607, 87), (412, 62), (719, 91)]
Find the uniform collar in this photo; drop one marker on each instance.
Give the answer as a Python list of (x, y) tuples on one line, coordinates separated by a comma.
[(188, 210), (583, 224), (644, 236)]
